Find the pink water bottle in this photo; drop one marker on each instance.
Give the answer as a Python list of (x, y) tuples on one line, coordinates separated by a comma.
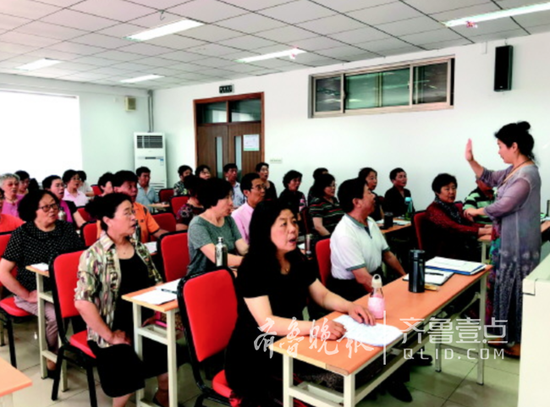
[(377, 303)]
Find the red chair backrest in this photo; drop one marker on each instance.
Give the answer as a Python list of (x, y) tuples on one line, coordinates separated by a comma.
[(322, 251), (174, 252), (419, 222), (177, 202), (85, 215), (166, 194), (166, 221), (90, 233), (97, 190), (64, 272), (4, 239), (209, 307)]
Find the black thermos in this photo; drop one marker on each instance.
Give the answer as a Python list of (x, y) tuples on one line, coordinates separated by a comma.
[(416, 274)]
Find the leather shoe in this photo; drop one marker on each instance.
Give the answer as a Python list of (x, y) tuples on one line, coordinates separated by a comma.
[(421, 359), (399, 391)]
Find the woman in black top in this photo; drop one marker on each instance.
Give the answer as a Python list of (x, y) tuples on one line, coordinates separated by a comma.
[(39, 240), (263, 171), (273, 283), (371, 178), (295, 199)]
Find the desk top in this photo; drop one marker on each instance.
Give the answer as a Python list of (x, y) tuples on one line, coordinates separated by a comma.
[(12, 379), (401, 307), (36, 270), (167, 306)]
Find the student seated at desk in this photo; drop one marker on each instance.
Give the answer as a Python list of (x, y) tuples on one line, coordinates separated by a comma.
[(394, 199), (371, 178), (180, 189), (273, 284), (55, 184), (217, 198), (105, 183), (126, 182), (9, 183), (480, 197), (7, 222), (449, 233), (192, 207), (325, 209), (253, 188), (113, 266), (41, 238), (72, 183), (146, 194)]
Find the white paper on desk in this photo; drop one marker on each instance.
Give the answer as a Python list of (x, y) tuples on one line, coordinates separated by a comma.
[(374, 335), (40, 266), (172, 286), (155, 297), (401, 222), (151, 246)]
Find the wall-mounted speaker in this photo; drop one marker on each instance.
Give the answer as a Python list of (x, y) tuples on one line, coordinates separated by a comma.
[(130, 104), (503, 68)]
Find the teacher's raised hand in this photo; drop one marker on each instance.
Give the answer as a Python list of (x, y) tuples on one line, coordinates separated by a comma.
[(469, 153)]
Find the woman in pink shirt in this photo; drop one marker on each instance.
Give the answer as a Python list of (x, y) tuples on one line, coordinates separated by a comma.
[(8, 223), (10, 185)]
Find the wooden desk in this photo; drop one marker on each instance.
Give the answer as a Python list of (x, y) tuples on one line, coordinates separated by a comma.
[(12, 381), (401, 307), (395, 227), (45, 353), (165, 336)]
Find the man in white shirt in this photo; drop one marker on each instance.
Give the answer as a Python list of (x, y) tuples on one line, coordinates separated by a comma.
[(357, 245), (230, 172), (253, 188)]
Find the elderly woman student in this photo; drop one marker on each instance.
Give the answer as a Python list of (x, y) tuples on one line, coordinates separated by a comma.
[(40, 239), (113, 266)]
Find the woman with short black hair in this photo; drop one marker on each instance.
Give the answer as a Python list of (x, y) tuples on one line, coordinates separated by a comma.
[(263, 171), (216, 195), (55, 184), (39, 240), (324, 208), (72, 184), (291, 195)]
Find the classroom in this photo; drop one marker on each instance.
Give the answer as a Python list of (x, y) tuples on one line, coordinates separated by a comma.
[(83, 119)]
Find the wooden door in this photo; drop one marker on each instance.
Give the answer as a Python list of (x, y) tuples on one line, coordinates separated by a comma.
[(222, 140)]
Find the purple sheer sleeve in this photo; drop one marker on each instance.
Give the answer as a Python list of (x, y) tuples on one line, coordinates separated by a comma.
[(494, 178), (510, 200)]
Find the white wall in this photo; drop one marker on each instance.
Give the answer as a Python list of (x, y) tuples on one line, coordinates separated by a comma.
[(106, 128), (424, 143)]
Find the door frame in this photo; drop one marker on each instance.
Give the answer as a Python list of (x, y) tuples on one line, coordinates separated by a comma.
[(227, 99)]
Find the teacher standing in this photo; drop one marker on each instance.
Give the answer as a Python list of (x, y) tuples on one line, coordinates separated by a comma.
[(516, 223)]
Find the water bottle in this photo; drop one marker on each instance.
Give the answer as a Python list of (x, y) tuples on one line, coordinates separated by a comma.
[(308, 245), (221, 253), (417, 271), (377, 303), (61, 215), (410, 211)]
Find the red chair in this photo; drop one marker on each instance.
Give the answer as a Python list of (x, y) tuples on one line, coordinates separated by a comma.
[(177, 202), (322, 250), (85, 215), (419, 223), (8, 310), (89, 232), (97, 190), (166, 194), (166, 221), (174, 252), (63, 271), (204, 298)]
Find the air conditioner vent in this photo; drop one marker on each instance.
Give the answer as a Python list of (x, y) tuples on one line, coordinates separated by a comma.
[(149, 141)]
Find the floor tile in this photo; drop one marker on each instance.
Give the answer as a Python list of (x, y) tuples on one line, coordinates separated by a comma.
[(420, 399), (500, 389), (441, 384)]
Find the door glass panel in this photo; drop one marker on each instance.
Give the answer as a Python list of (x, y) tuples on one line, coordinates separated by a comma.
[(219, 157), (239, 154), (247, 110), (212, 113)]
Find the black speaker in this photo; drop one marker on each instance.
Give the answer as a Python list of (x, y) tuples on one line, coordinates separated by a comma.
[(503, 68)]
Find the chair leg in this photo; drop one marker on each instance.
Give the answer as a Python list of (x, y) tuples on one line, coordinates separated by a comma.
[(199, 401), (11, 340), (91, 384), (57, 377)]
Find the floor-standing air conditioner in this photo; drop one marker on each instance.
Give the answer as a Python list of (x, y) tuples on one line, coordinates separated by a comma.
[(150, 152)]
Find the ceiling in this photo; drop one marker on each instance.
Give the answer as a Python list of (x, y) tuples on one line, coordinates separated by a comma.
[(88, 36)]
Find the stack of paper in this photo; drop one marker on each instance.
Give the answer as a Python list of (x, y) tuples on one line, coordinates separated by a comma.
[(155, 297), (171, 287), (435, 277), (40, 266), (456, 266), (374, 335)]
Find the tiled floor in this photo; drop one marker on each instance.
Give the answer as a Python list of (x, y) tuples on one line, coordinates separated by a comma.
[(455, 386)]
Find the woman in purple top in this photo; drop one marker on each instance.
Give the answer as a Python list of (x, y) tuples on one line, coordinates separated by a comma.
[(10, 185), (67, 209), (516, 224), (72, 183)]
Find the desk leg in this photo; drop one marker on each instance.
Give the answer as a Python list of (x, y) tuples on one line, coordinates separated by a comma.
[(349, 390), (438, 357), (288, 380), (484, 246), (6, 400), (481, 344), (172, 358), (42, 344), (138, 346)]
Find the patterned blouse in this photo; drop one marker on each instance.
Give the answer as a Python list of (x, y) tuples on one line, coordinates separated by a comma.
[(187, 212), (99, 279), (180, 190)]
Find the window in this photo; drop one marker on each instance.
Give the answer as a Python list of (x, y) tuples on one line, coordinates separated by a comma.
[(385, 89), (40, 133)]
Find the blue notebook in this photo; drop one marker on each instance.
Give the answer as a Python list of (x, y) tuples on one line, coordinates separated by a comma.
[(464, 267)]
